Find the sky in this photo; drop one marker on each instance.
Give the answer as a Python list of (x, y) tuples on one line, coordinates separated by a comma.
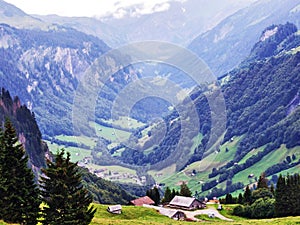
[(90, 8)]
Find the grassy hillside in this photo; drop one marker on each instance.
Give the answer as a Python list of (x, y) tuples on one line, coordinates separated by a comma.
[(140, 215), (146, 216)]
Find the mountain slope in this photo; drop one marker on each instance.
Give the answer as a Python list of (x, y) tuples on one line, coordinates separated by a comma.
[(44, 67), (12, 15), (26, 127), (263, 114), (226, 45)]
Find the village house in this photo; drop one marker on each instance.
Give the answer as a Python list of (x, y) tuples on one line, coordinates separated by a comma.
[(186, 203), (142, 201), (115, 209), (173, 214)]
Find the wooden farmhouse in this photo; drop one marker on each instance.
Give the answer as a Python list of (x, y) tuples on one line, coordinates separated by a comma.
[(186, 203), (115, 209), (142, 201), (172, 213)]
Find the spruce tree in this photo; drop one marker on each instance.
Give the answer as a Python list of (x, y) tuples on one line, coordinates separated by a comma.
[(240, 199), (247, 196), (167, 196), (281, 197), (154, 195), (19, 195), (66, 200), (184, 190), (262, 181)]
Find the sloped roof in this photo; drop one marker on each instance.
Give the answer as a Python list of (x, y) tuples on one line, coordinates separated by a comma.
[(143, 200), (182, 201), (113, 208), (168, 212)]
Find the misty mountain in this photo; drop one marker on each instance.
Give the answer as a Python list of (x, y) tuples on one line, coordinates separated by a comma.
[(179, 23), (227, 44)]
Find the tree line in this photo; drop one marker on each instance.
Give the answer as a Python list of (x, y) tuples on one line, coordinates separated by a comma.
[(267, 201), (65, 200)]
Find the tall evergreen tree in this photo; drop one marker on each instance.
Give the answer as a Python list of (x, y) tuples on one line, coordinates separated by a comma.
[(184, 190), (19, 195), (281, 197), (247, 195), (262, 181), (168, 195), (67, 201), (240, 199), (153, 193)]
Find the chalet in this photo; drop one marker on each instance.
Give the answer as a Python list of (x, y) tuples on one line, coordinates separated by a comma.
[(186, 203), (173, 214), (142, 201), (115, 209)]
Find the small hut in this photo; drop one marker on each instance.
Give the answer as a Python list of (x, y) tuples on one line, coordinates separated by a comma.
[(115, 209)]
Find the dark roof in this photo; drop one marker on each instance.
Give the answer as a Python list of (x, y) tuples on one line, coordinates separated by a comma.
[(143, 200)]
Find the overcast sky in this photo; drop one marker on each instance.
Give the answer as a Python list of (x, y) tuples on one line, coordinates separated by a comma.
[(89, 7)]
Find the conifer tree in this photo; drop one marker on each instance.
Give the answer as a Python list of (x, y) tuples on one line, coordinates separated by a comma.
[(240, 199), (262, 181), (153, 193), (184, 190), (67, 201), (247, 195), (281, 197), (19, 195), (167, 195)]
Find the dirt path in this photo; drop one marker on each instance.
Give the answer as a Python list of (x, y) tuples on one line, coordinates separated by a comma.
[(210, 211)]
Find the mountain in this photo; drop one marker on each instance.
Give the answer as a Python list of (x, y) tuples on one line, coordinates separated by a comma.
[(44, 68), (175, 21), (263, 114), (26, 127), (228, 43), (12, 15)]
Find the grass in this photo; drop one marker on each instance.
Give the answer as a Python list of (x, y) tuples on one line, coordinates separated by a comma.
[(207, 218), (147, 216), (77, 154), (111, 134), (91, 142), (270, 159), (132, 215)]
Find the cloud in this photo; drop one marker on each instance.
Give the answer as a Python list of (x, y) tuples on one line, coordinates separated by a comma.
[(99, 8)]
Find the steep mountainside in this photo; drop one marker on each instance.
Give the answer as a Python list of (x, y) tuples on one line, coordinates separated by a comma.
[(263, 114), (43, 68), (226, 45), (26, 127)]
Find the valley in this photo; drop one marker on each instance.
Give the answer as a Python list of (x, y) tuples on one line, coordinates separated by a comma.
[(183, 98)]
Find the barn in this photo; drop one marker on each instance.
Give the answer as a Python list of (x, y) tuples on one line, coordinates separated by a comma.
[(186, 203)]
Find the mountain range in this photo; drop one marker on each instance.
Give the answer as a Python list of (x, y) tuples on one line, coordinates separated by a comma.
[(253, 49)]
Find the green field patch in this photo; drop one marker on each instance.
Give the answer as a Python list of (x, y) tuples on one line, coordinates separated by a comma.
[(78, 139), (109, 133), (77, 154), (270, 159), (251, 153), (126, 123)]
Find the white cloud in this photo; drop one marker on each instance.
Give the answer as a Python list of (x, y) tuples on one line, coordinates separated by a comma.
[(99, 8)]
